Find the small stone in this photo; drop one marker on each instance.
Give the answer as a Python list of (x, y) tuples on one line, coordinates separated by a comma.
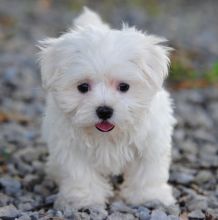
[(158, 215), (9, 211), (194, 117), (38, 166), (29, 154), (10, 185), (179, 134), (143, 213), (30, 180), (209, 149), (213, 212), (198, 202), (34, 215), (12, 170), (4, 200), (154, 204), (176, 192), (41, 190), (98, 212), (173, 210), (24, 168), (203, 176), (211, 93), (181, 177), (189, 147), (79, 216), (49, 184), (213, 202), (50, 199), (121, 216), (52, 212), (196, 215), (194, 97), (203, 135), (59, 214), (173, 217), (208, 160), (213, 109), (24, 216), (120, 206), (25, 206)]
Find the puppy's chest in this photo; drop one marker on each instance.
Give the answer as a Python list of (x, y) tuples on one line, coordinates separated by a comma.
[(111, 159)]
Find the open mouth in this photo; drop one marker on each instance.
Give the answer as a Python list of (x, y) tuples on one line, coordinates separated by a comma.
[(104, 126)]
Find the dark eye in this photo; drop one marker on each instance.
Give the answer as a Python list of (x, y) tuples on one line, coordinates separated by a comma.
[(123, 87), (83, 88)]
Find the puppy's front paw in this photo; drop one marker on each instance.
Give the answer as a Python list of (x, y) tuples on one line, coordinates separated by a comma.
[(70, 206), (66, 205), (136, 195), (70, 203)]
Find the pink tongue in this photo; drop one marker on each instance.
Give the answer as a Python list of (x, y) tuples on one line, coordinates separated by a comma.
[(104, 126)]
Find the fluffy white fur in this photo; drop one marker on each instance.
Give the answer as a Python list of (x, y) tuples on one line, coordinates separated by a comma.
[(81, 157)]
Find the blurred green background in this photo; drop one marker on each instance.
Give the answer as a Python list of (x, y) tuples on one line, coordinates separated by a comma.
[(190, 26)]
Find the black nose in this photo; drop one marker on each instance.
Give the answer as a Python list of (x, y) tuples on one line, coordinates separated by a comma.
[(104, 112)]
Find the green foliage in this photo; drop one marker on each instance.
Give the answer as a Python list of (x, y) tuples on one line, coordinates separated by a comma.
[(4, 155), (180, 72), (212, 74), (151, 6)]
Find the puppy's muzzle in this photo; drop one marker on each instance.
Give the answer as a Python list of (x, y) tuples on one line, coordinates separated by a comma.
[(104, 112)]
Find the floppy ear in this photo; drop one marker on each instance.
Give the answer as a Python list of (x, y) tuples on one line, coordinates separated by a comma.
[(156, 60), (47, 57)]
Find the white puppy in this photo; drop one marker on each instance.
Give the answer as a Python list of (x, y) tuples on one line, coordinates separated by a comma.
[(107, 113)]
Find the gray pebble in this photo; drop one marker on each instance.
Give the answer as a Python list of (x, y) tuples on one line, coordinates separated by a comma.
[(143, 213), (41, 190), (203, 176), (50, 199), (24, 216), (173, 217), (189, 146), (30, 180), (24, 168), (211, 93), (213, 202), (120, 216), (158, 215), (194, 117), (173, 209), (207, 160), (59, 214), (154, 204), (198, 202), (25, 206), (213, 109), (182, 178), (5, 199), (213, 212), (203, 135), (121, 207), (10, 185), (196, 215), (97, 212), (9, 211)]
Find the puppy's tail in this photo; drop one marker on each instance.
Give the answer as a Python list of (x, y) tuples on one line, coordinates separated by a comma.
[(89, 18)]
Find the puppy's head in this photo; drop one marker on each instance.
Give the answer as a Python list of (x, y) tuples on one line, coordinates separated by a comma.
[(104, 79)]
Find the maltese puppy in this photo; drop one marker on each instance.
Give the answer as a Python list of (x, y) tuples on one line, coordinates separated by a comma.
[(107, 113)]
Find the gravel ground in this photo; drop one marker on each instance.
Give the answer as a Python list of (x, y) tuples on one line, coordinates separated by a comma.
[(25, 191)]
